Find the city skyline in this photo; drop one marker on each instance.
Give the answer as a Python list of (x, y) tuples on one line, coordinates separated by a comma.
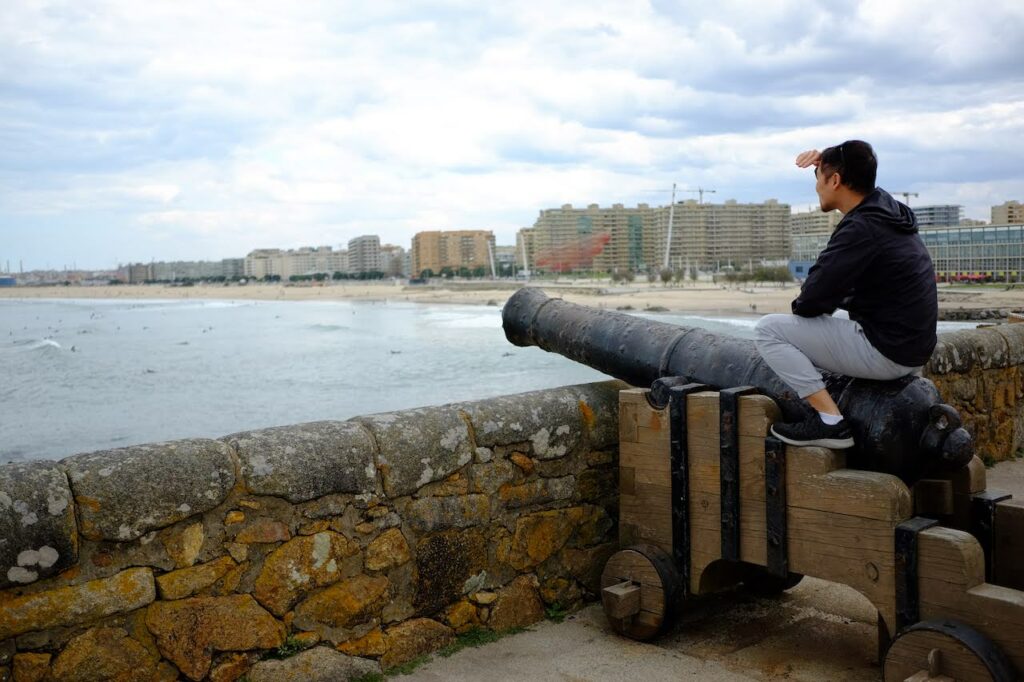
[(134, 133)]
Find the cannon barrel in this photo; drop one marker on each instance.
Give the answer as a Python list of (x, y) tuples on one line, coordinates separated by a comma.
[(900, 427)]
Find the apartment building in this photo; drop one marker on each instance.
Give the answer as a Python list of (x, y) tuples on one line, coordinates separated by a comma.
[(572, 238), (170, 271), (526, 250), (946, 215), (436, 250), (364, 255), (712, 236), (1008, 213), (394, 261), (307, 260)]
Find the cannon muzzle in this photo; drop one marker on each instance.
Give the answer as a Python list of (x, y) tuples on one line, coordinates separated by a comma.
[(900, 427)]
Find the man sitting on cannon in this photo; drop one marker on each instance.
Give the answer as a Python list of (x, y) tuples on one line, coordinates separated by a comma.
[(868, 307)]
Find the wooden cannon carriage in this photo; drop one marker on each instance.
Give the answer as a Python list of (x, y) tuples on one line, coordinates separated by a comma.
[(708, 499)]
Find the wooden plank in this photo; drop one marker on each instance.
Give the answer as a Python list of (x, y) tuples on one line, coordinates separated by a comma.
[(645, 435), (933, 497), (636, 396), (858, 552), (966, 482), (645, 500), (627, 421), (951, 558), (847, 491), (1008, 546), (951, 571), (627, 481), (646, 516)]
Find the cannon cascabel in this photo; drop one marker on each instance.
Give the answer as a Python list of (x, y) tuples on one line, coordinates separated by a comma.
[(900, 427)]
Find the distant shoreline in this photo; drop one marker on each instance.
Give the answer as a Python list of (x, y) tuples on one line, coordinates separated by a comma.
[(700, 297)]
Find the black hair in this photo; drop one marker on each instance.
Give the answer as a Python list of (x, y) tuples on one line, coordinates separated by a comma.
[(856, 163)]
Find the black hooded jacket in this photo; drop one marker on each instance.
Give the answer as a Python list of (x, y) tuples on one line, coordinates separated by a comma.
[(876, 266)]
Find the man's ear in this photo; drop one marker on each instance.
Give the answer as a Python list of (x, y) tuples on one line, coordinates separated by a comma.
[(835, 181)]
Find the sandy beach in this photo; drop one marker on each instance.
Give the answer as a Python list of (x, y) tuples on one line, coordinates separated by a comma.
[(698, 297)]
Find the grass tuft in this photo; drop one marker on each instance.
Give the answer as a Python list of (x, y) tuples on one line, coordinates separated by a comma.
[(290, 647), (556, 612)]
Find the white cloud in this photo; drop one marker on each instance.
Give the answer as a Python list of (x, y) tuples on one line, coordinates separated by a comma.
[(213, 130)]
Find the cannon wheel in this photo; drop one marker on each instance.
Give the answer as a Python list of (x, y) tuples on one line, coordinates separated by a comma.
[(639, 589), (945, 648)]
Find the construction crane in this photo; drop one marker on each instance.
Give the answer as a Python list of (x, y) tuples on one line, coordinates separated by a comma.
[(906, 196), (700, 191)]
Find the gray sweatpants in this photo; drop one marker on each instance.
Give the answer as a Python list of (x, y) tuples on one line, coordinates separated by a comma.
[(798, 348)]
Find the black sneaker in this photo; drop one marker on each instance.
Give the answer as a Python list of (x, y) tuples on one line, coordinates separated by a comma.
[(813, 431)]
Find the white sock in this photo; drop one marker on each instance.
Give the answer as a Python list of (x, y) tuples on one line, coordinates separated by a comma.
[(830, 419)]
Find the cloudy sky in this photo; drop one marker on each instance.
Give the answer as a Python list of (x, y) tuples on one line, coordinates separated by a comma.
[(132, 131)]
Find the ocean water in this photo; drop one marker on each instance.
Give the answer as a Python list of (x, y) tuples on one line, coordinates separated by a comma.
[(83, 375)]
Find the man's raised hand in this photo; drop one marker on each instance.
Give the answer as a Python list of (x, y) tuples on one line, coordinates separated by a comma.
[(811, 157)]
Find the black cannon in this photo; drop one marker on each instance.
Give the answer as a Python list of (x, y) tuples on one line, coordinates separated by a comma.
[(900, 427)]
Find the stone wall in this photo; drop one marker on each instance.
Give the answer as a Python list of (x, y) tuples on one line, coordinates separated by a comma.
[(366, 542), (978, 372)]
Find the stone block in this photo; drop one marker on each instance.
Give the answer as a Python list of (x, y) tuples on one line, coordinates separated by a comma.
[(554, 421), (594, 485), (518, 605), (428, 514), (263, 530), (307, 461), (954, 352), (38, 537), (299, 566), (319, 664), (189, 631), (462, 616), (232, 667), (123, 494), (538, 536), (418, 446), (550, 420), (105, 654), (183, 544), (444, 563), (65, 606), (31, 667), (414, 638), (370, 644), (487, 478), (342, 605), (585, 565), (387, 550), (187, 581), (1014, 336), (990, 348), (537, 492)]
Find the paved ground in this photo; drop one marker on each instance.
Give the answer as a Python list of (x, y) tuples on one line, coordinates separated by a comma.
[(817, 631)]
